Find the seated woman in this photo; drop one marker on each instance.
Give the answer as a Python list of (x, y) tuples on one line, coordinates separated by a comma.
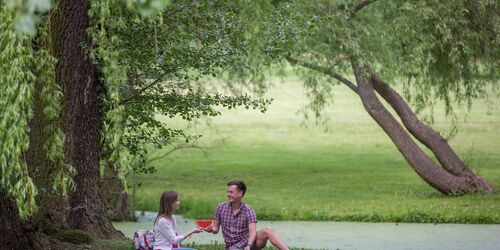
[(166, 234)]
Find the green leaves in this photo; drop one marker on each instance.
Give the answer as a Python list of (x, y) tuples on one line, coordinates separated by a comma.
[(148, 8), (27, 14), (442, 50), (165, 63), (16, 88)]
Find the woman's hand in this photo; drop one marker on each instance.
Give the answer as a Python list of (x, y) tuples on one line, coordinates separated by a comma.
[(197, 230)]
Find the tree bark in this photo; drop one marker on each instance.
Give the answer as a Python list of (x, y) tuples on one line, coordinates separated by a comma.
[(81, 120), (431, 139), (430, 172), (12, 236), (52, 207), (119, 205)]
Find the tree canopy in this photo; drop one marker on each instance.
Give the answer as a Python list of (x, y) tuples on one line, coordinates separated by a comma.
[(438, 50), (151, 58), (152, 54)]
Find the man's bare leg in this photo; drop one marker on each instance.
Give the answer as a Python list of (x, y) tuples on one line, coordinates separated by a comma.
[(269, 234)]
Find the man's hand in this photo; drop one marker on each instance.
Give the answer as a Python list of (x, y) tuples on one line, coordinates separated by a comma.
[(214, 228), (247, 248), (208, 229)]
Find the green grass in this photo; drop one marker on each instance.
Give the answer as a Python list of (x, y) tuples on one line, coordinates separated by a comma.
[(352, 173), (128, 245)]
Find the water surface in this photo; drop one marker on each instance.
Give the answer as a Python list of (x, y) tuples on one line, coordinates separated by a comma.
[(353, 235)]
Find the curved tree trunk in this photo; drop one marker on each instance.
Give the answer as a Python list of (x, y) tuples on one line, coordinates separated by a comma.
[(430, 172), (430, 138), (452, 176), (81, 120)]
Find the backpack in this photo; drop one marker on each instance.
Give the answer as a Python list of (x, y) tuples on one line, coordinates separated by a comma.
[(144, 239)]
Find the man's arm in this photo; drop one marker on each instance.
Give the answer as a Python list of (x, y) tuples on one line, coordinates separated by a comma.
[(252, 235), (216, 222), (215, 227)]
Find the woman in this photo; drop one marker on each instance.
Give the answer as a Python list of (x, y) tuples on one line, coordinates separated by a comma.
[(166, 234)]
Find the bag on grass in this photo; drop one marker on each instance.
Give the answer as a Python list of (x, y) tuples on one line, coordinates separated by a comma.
[(144, 239)]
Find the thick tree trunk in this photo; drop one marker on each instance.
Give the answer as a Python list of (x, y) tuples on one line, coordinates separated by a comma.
[(12, 236), (52, 207), (430, 138), (430, 172), (81, 120)]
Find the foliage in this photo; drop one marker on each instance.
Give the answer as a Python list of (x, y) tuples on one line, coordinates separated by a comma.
[(26, 62), (144, 74), (446, 51), (168, 61), (26, 14), (16, 87), (448, 48)]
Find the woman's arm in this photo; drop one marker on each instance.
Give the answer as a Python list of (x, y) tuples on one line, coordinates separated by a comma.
[(167, 231), (194, 230)]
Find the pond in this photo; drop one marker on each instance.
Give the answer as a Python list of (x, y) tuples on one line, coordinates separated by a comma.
[(353, 235)]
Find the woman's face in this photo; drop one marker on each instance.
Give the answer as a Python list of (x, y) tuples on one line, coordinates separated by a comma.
[(177, 203)]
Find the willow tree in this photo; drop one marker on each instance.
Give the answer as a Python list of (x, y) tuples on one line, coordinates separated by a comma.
[(439, 50), (53, 85), (70, 91)]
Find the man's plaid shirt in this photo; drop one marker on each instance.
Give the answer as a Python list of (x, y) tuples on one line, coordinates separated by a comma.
[(235, 227)]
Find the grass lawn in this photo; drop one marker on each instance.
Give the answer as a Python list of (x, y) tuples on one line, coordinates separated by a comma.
[(128, 245), (352, 173)]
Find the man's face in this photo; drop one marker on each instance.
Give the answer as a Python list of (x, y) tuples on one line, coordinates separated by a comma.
[(233, 194)]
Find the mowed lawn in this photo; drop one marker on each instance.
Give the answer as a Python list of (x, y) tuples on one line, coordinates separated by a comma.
[(351, 173)]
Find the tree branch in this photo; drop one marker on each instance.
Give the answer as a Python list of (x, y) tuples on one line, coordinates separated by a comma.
[(178, 147), (327, 71), (132, 96), (359, 7)]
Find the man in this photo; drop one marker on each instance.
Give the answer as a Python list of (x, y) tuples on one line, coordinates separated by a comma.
[(238, 222)]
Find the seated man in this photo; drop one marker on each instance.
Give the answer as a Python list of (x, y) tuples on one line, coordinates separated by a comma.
[(238, 222)]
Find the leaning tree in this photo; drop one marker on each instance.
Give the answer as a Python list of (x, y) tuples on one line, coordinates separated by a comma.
[(440, 50)]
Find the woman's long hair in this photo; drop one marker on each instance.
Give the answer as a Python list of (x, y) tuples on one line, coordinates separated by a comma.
[(167, 204)]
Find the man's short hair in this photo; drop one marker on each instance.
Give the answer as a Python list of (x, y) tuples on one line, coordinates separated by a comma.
[(239, 184)]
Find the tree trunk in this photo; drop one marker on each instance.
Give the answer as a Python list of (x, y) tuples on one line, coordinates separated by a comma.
[(52, 207), (430, 138), (81, 120), (12, 236), (430, 172), (119, 204)]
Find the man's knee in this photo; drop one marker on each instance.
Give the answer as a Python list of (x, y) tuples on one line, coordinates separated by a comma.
[(266, 231)]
